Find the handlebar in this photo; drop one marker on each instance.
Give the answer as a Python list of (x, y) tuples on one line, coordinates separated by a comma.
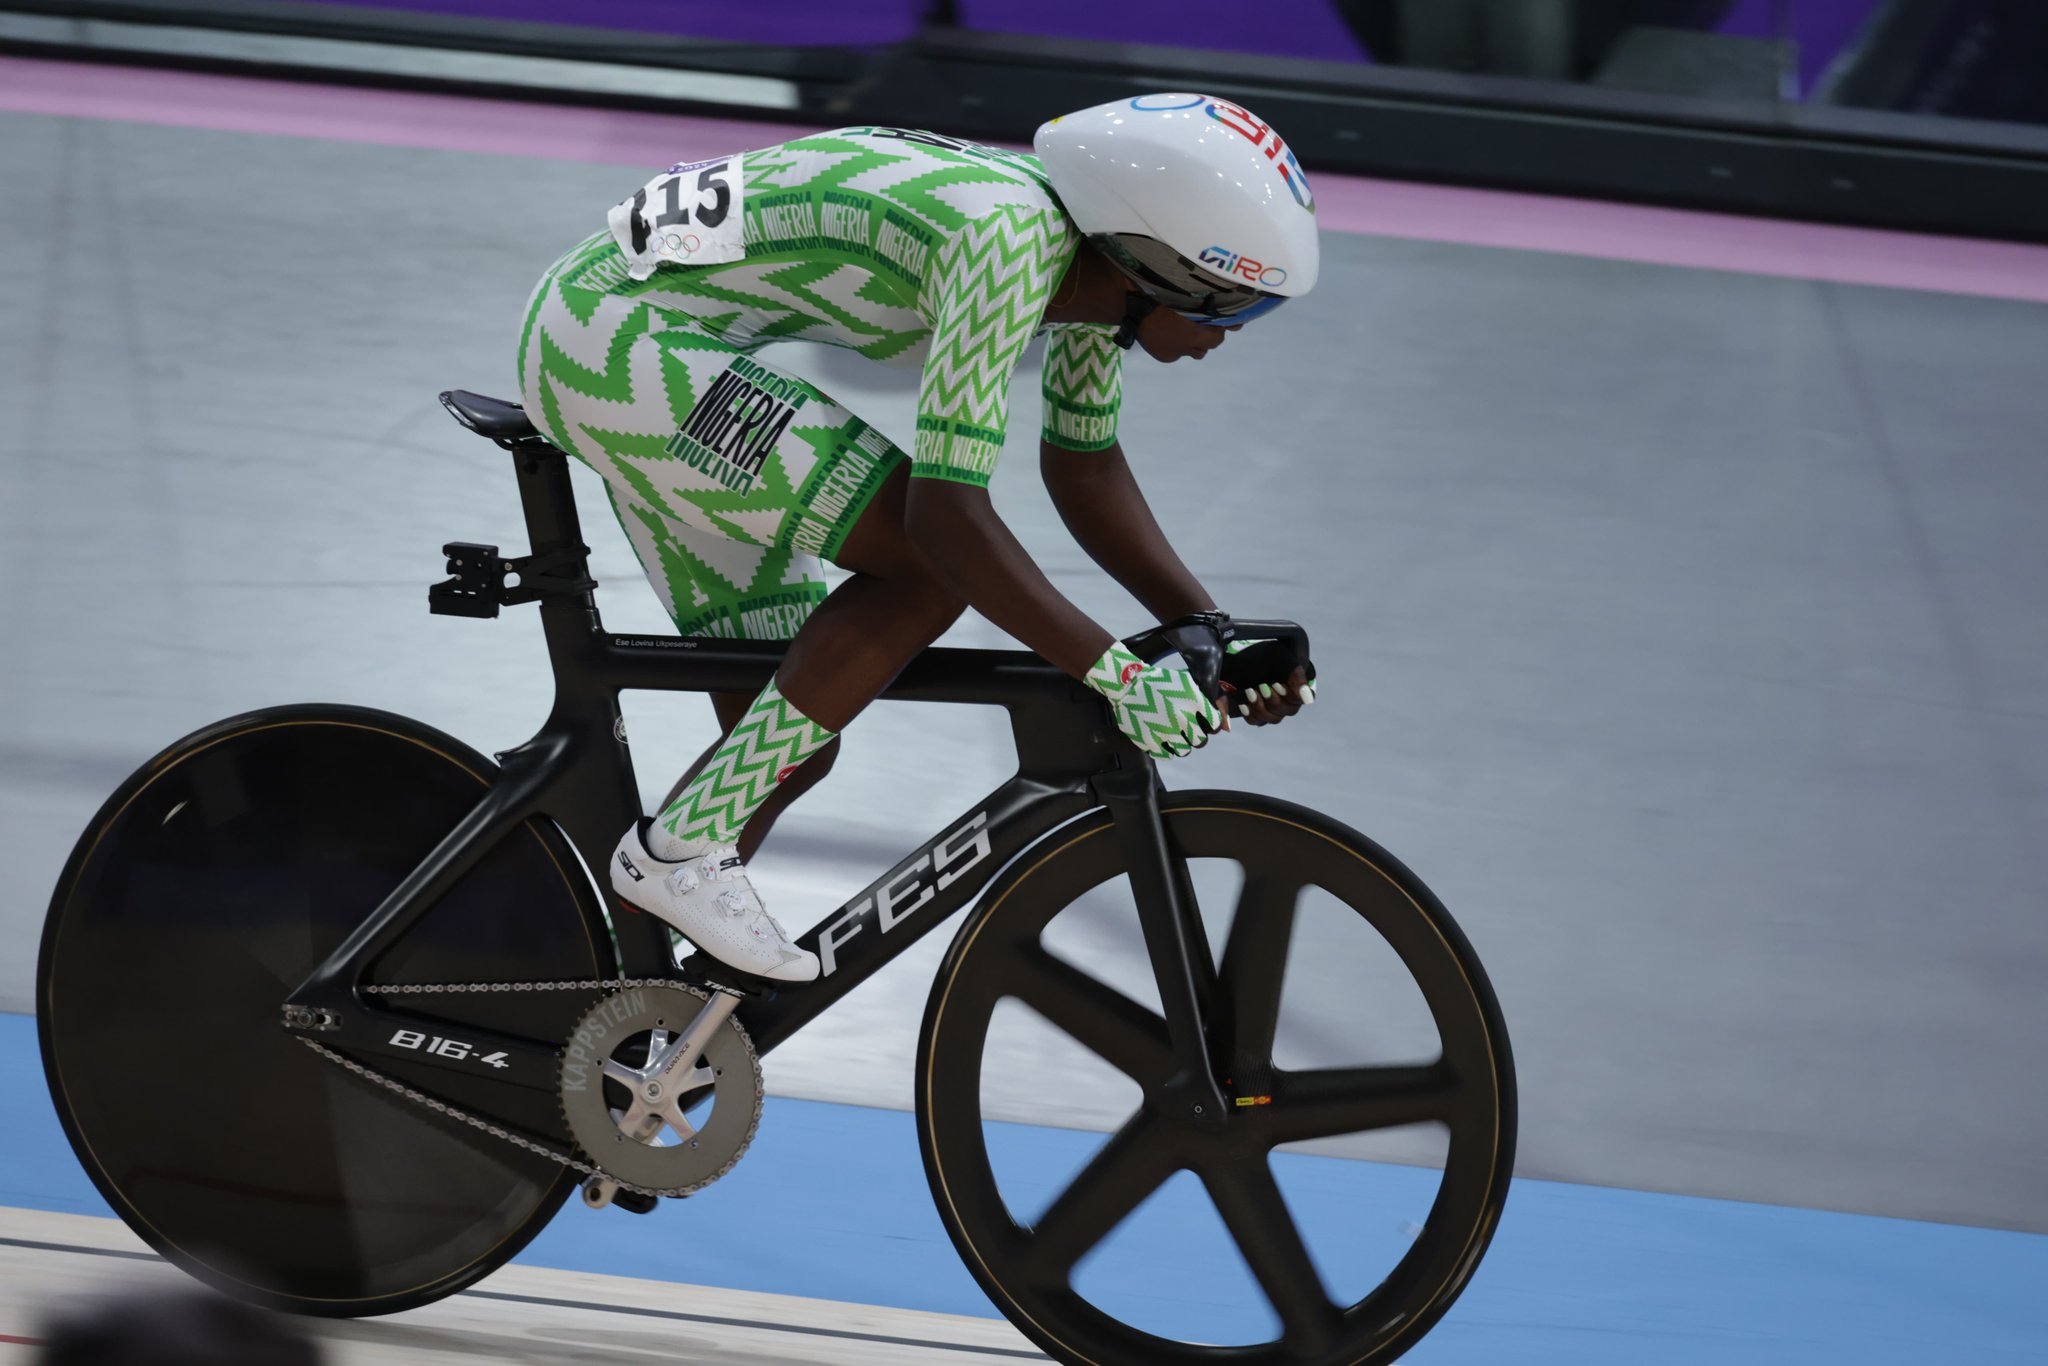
[(1201, 639)]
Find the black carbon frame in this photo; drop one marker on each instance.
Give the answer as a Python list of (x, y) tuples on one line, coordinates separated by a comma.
[(578, 772)]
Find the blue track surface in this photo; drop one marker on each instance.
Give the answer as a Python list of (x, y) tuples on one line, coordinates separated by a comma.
[(831, 1203)]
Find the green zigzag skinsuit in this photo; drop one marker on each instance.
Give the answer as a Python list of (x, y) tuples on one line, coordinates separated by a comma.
[(733, 479)]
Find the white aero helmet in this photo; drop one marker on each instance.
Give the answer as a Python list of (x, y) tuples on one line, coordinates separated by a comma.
[(1194, 198)]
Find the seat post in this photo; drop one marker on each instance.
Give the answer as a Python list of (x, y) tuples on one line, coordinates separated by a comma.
[(549, 501), (557, 572)]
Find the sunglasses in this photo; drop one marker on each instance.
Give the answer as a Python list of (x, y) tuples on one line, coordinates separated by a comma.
[(1258, 307)]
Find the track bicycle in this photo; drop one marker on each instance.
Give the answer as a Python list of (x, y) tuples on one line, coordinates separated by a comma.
[(336, 1017)]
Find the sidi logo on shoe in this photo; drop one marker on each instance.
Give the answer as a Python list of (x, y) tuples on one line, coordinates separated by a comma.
[(631, 871)]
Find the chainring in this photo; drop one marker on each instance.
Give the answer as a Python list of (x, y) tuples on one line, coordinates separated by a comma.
[(624, 1030)]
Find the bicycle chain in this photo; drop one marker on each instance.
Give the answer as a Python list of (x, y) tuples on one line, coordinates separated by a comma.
[(604, 985)]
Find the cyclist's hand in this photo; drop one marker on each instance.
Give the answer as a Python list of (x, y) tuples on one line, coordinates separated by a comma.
[(1255, 686), (1159, 709)]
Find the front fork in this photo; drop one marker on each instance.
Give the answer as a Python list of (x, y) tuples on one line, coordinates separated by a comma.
[(1175, 941)]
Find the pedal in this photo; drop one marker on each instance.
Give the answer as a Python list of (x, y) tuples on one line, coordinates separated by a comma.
[(601, 1191), (700, 969)]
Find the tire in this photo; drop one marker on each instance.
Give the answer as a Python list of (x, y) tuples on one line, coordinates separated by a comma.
[(1029, 1267), (203, 892)]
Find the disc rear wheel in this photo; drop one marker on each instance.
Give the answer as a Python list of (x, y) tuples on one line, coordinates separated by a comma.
[(1095, 1246), (204, 892)]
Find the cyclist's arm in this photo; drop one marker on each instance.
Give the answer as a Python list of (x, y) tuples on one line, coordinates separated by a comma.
[(988, 293), (1084, 470), (1098, 498), (1107, 514), (956, 529)]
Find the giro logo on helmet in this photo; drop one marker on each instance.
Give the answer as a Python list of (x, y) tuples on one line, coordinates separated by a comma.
[(1228, 262)]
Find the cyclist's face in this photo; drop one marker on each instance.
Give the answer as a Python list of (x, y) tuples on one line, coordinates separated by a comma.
[(1167, 336)]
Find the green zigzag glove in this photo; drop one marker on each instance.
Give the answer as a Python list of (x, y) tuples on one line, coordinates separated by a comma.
[(1160, 709)]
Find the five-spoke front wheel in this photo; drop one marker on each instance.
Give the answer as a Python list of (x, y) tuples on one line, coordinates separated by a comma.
[(1032, 1256)]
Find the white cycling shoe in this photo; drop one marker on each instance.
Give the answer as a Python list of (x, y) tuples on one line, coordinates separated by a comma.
[(709, 901)]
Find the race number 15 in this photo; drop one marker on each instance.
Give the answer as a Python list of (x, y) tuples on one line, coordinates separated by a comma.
[(713, 202)]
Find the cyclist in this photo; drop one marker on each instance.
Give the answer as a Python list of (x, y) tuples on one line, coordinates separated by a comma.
[(1164, 221)]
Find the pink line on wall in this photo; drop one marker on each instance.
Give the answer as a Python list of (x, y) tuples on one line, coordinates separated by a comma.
[(1490, 218), (1685, 237)]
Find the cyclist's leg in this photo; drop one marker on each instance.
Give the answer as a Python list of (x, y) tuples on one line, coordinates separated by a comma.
[(764, 599), (844, 655), (688, 432), (847, 649), (874, 623), (730, 708), (628, 383)]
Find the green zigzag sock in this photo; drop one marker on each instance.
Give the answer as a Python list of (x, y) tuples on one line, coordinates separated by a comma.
[(770, 740)]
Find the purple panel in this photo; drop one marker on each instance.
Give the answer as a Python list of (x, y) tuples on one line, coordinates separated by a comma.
[(1749, 19), (788, 23), (1277, 28), (1822, 28)]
